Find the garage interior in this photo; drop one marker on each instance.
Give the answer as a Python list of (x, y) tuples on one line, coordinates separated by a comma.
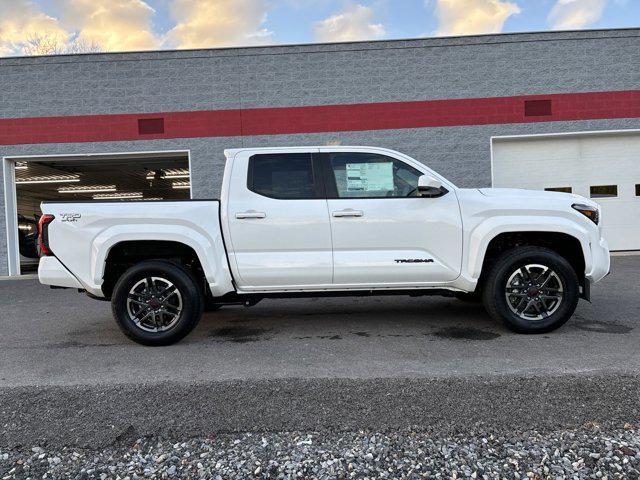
[(602, 166), (133, 177)]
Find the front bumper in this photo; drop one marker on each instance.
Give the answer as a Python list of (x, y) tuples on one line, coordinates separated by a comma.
[(52, 272), (600, 261)]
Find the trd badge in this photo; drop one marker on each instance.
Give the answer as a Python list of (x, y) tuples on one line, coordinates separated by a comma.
[(70, 217)]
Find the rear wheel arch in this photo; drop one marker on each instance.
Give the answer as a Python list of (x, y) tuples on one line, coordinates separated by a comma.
[(125, 254)]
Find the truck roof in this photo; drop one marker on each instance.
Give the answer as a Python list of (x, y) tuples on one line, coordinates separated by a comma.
[(231, 152)]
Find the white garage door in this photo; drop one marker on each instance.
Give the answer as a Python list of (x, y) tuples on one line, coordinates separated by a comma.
[(604, 167)]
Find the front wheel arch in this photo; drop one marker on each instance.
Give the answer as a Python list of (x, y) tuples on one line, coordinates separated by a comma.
[(565, 245)]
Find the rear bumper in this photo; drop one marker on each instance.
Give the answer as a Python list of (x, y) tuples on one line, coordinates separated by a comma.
[(52, 272)]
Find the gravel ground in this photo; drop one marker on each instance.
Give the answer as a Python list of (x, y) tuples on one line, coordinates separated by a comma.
[(590, 452)]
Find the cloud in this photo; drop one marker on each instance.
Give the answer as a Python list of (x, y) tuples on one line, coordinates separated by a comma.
[(108, 25), (468, 17), (575, 14), (20, 19), (114, 25), (218, 23), (355, 22)]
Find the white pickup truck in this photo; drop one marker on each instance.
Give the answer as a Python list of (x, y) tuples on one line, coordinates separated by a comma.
[(329, 221)]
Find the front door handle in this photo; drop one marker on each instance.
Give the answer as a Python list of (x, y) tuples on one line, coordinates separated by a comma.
[(348, 212), (250, 214)]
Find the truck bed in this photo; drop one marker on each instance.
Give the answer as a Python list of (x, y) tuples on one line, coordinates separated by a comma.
[(83, 232)]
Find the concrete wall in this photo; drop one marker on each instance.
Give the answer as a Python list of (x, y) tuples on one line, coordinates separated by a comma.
[(426, 69)]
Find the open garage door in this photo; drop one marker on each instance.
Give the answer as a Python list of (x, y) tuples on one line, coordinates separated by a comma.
[(156, 176), (602, 166)]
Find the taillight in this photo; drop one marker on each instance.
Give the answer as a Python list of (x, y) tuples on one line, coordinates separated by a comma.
[(43, 233)]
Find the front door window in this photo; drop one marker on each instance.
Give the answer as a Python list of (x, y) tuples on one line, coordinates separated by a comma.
[(370, 175)]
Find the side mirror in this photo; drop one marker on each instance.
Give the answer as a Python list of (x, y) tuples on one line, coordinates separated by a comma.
[(430, 187)]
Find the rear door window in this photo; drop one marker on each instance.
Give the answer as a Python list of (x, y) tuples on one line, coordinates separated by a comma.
[(285, 176)]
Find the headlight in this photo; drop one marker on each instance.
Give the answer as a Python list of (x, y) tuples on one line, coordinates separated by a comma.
[(588, 211)]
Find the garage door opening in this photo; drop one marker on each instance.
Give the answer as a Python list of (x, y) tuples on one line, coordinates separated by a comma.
[(602, 166), (122, 177)]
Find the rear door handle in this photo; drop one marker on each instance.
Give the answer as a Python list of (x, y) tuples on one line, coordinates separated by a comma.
[(348, 212), (250, 214)]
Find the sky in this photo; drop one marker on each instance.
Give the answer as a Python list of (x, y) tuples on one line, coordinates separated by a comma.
[(129, 25)]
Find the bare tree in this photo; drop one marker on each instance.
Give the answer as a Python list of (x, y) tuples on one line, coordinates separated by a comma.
[(45, 44)]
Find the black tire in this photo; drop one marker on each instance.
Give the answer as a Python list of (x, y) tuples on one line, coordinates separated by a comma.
[(509, 264), (190, 302)]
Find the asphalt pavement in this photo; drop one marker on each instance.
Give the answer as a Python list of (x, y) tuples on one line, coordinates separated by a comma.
[(68, 376)]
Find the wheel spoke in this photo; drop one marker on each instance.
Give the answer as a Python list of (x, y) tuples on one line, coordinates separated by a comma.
[(551, 290), (523, 305), (544, 277), (171, 309), (167, 293), (527, 307), (551, 297), (517, 294), (541, 311), (169, 315), (167, 289), (147, 311), (136, 299), (524, 272)]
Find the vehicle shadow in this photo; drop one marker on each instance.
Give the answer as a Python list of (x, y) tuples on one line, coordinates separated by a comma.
[(367, 319)]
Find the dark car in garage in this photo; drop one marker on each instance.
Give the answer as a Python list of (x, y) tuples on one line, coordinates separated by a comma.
[(28, 241)]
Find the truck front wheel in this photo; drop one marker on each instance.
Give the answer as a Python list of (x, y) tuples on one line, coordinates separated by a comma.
[(531, 289), (157, 303)]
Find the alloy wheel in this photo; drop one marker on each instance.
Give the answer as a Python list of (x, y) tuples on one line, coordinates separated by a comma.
[(534, 292), (154, 304)]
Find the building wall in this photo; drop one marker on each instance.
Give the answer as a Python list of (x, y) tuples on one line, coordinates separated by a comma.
[(466, 67), (286, 76)]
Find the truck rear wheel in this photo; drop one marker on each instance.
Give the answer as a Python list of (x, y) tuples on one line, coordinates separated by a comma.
[(157, 303), (531, 289)]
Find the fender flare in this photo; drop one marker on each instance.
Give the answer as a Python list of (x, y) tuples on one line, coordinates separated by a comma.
[(210, 251), (485, 232)]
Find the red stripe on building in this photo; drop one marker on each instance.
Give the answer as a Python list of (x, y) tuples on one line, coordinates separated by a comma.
[(315, 119)]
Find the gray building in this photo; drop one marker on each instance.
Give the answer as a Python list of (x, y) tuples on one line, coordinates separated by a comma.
[(552, 110)]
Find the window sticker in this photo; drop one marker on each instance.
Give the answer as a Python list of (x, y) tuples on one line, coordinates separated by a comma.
[(369, 177)]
